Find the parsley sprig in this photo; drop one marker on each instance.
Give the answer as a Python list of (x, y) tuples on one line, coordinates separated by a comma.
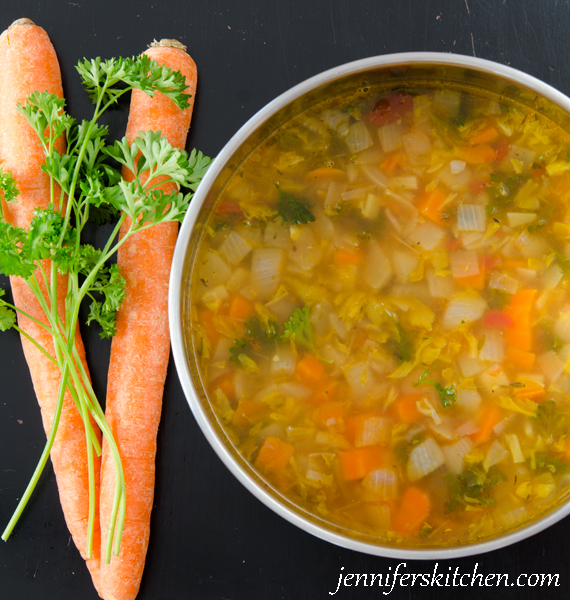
[(293, 210), (90, 187), (446, 395)]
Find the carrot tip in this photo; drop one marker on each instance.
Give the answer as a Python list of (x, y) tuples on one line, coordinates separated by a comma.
[(165, 43), (23, 21)]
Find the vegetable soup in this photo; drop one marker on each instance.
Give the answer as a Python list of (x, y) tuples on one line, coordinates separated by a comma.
[(381, 316)]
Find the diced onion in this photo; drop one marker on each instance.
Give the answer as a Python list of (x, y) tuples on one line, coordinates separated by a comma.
[(552, 276), (378, 269), (456, 166), (404, 263), (494, 378), (562, 325), (493, 349), (551, 365), (440, 286), (337, 120), (358, 137), (234, 248), (213, 270), (372, 206), (408, 182), (426, 236), (467, 428), (470, 365), (531, 246), (361, 380), (214, 297), (500, 281), (455, 453), (383, 482), (417, 145), (390, 136), (266, 265), (464, 307), (495, 455), (376, 176), (464, 263), (425, 458), (470, 400), (277, 235), (283, 362), (470, 217), (376, 431)]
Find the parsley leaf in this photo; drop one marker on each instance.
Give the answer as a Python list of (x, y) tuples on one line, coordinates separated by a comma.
[(298, 328), (446, 395), (8, 186), (293, 210)]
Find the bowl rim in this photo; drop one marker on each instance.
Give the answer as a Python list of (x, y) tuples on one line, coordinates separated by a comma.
[(504, 72)]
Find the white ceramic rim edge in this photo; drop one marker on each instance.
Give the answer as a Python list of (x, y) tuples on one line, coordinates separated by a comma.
[(175, 318)]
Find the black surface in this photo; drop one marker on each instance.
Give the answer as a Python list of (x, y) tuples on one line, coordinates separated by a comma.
[(210, 538)]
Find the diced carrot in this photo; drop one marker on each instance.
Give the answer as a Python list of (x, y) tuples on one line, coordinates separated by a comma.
[(497, 319), (512, 264), (325, 391), (357, 463), (274, 454), (248, 411), (412, 512), (225, 383), (206, 320), (348, 257), (325, 174), (488, 134), (392, 163), (519, 310), (476, 155), (405, 408), (488, 420), (531, 391), (431, 203), (520, 359), (241, 308), (310, 369), (229, 208), (367, 429), (477, 281), (330, 415), (476, 187)]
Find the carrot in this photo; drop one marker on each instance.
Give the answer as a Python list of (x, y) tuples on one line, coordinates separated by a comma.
[(28, 63), (367, 429), (406, 408), (487, 134), (330, 415), (412, 512), (357, 463), (348, 257), (521, 359), (488, 420), (247, 412), (140, 350), (431, 203), (241, 308), (476, 155), (325, 174), (520, 335), (274, 454), (310, 369)]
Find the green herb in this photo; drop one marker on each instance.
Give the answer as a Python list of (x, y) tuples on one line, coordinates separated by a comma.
[(501, 192), (404, 346), (240, 345), (446, 395), (551, 420), (298, 328), (497, 299), (293, 210), (89, 184), (546, 463), (256, 330), (473, 487)]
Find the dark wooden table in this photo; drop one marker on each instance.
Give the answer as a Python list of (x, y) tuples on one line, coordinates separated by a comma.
[(210, 538)]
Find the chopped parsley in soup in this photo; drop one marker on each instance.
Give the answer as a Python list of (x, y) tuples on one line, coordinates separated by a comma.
[(381, 314)]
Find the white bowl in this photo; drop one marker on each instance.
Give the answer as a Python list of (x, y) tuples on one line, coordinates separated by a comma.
[(394, 68)]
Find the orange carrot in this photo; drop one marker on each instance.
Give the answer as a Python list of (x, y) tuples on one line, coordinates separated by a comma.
[(248, 411), (413, 511), (431, 203), (357, 463), (141, 347), (520, 311), (325, 174), (241, 308), (487, 134), (28, 63), (406, 408), (521, 359), (330, 415), (274, 454), (310, 369), (476, 155), (348, 257), (490, 417)]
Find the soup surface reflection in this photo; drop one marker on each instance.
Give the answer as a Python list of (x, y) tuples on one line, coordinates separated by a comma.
[(381, 316)]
